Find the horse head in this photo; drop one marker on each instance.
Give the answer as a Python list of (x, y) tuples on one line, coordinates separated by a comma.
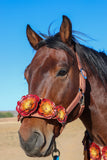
[(52, 74)]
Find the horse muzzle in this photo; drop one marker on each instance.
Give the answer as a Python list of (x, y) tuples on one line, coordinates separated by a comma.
[(33, 145)]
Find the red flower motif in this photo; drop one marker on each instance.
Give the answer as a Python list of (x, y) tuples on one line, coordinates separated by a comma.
[(61, 114), (27, 105), (104, 153), (47, 109), (95, 152)]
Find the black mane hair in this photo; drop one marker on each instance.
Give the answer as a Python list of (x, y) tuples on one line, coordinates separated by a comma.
[(96, 61)]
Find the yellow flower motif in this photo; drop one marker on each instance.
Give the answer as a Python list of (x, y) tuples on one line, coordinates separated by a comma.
[(27, 104), (47, 108), (95, 152), (61, 114)]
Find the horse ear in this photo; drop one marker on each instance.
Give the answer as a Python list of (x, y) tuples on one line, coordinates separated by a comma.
[(33, 37), (66, 30)]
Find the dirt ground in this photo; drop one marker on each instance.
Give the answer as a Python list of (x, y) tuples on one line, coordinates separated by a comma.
[(69, 143)]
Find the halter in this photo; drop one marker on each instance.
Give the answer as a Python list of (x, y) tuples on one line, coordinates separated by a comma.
[(33, 106)]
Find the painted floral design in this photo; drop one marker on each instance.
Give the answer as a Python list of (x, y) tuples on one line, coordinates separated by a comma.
[(104, 152), (61, 114), (95, 152), (27, 105), (31, 105), (47, 109)]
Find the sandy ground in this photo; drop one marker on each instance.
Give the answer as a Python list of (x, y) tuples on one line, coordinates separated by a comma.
[(69, 143)]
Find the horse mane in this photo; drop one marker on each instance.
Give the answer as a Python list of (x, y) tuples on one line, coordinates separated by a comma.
[(96, 61)]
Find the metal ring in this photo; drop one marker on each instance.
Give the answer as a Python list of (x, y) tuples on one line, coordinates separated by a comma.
[(55, 152)]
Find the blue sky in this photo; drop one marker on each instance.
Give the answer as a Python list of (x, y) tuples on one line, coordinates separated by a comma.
[(87, 16)]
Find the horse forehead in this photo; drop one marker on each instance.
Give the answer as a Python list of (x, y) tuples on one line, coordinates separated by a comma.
[(55, 54)]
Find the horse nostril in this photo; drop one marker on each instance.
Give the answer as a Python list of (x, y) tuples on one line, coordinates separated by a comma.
[(39, 140), (35, 142)]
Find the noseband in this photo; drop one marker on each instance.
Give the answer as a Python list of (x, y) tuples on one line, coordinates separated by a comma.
[(33, 106)]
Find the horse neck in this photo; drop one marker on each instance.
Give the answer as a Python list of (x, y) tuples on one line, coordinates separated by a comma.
[(95, 113)]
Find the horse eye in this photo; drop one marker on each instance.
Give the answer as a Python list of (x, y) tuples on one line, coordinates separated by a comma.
[(62, 72)]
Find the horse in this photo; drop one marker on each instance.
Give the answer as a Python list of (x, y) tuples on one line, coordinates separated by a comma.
[(55, 72)]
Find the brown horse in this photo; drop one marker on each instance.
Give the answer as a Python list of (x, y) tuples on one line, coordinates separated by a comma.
[(54, 74)]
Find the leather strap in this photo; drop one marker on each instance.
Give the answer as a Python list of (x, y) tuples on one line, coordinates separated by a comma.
[(80, 94)]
